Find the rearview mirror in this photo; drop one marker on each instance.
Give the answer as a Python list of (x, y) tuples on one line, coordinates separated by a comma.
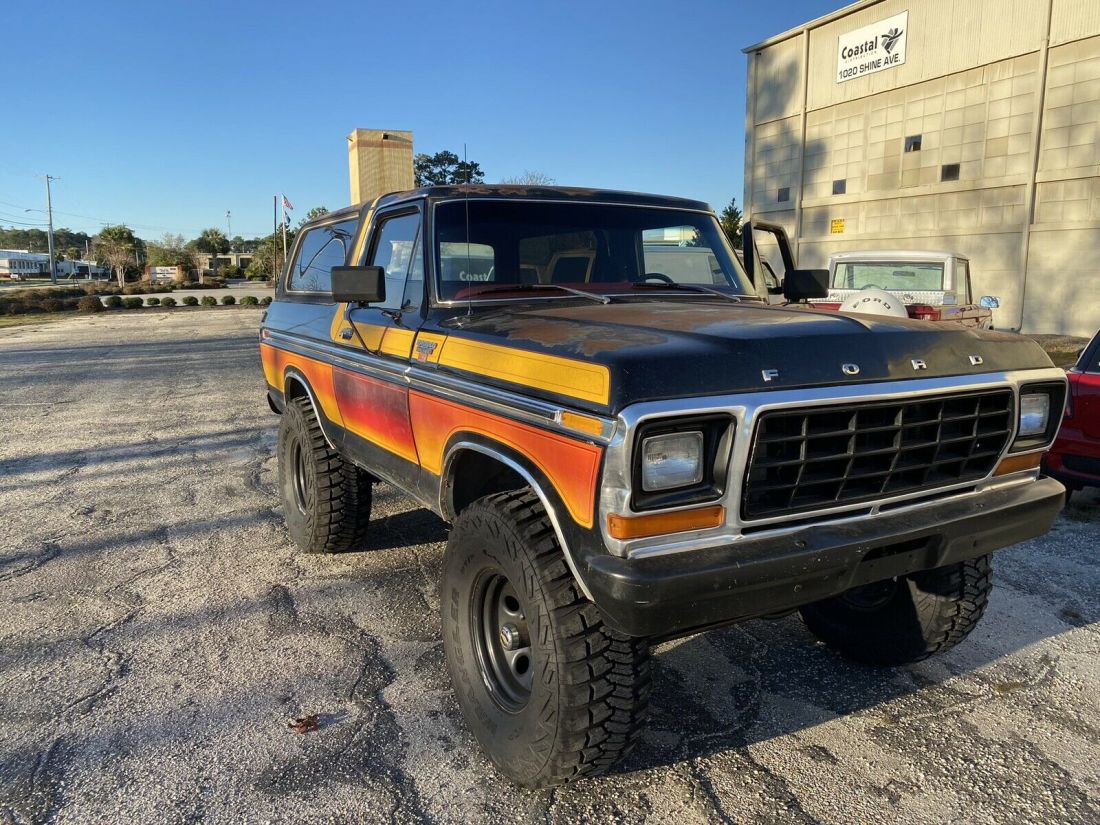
[(989, 302), (805, 284), (358, 284)]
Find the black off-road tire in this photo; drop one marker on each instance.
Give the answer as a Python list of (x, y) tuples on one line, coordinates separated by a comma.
[(326, 498), (589, 686), (905, 619)]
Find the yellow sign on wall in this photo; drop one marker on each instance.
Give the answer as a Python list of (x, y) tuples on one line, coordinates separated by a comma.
[(836, 226)]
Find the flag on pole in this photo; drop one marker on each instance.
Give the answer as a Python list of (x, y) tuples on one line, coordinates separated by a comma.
[(286, 219), (286, 203)]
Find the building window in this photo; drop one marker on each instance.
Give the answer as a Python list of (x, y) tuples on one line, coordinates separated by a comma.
[(784, 194), (912, 143), (949, 171), (840, 186)]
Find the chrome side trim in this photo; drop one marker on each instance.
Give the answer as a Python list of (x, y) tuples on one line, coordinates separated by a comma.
[(446, 385), (293, 375), (446, 499), (615, 492)]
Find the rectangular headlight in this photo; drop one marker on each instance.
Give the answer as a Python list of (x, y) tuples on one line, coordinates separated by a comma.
[(672, 460), (1034, 413)]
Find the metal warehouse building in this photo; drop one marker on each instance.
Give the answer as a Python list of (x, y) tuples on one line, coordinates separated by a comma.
[(966, 125)]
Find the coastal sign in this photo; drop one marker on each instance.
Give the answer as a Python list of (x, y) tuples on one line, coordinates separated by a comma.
[(872, 48)]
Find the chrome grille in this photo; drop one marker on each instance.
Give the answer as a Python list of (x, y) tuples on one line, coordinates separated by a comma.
[(813, 458)]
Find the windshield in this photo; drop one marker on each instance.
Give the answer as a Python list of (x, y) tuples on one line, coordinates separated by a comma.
[(908, 276), (512, 248)]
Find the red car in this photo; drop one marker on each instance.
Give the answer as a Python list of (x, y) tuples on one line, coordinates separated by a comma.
[(1074, 458)]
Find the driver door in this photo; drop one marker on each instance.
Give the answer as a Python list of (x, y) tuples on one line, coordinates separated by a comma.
[(374, 401)]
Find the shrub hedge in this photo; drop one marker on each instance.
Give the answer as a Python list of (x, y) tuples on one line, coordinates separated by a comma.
[(168, 302), (250, 301), (112, 302), (90, 303), (209, 301), (190, 301), (228, 300)]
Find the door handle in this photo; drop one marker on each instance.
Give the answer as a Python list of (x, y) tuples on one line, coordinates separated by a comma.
[(346, 333)]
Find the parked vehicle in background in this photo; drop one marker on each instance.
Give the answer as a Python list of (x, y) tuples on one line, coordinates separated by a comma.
[(632, 446), (933, 286), (1074, 459)]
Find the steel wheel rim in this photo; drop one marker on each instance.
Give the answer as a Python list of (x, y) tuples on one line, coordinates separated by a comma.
[(502, 641), (298, 476)]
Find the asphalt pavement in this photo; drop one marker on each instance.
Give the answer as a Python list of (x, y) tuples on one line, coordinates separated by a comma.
[(158, 631)]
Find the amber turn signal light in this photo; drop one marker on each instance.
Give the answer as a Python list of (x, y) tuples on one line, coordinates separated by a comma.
[(581, 423), (1018, 463), (638, 527)]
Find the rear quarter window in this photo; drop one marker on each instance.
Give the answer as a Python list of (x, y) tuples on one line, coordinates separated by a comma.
[(320, 249)]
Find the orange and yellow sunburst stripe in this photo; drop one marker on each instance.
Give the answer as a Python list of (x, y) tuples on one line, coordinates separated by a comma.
[(562, 376), (319, 375), (572, 467), (377, 411)]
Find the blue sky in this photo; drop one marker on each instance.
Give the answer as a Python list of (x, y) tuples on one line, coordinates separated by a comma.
[(165, 114)]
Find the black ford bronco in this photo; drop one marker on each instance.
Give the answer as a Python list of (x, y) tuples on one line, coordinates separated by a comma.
[(631, 446)]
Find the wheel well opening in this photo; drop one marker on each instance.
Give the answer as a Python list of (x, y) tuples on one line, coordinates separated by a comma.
[(293, 388), (474, 474)]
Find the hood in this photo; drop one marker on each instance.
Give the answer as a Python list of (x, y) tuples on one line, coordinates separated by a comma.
[(673, 349)]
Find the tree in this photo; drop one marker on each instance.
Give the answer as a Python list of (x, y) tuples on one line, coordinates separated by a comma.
[(116, 246), (315, 212), (35, 240), (196, 259), (265, 255), (445, 168), (170, 250), (730, 218), (213, 242), (530, 178)]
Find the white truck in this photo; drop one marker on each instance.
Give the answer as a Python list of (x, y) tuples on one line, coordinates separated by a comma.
[(931, 286)]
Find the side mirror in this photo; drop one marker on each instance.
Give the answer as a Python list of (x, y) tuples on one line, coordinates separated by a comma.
[(358, 284), (989, 302), (804, 284)]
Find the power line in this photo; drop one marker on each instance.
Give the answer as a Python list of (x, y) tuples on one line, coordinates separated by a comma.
[(22, 223), (104, 222)]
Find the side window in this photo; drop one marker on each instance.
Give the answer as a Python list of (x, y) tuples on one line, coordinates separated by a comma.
[(414, 287), (393, 251), (321, 249)]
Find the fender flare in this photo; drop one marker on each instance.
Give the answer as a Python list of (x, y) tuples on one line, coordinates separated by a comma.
[(296, 376), (462, 442)]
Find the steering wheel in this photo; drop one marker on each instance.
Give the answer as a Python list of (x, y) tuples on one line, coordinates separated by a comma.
[(657, 276)]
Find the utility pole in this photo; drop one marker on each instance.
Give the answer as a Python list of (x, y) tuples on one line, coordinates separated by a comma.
[(49, 213), (228, 225)]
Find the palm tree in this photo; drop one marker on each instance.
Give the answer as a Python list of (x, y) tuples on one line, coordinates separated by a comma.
[(214, 243)]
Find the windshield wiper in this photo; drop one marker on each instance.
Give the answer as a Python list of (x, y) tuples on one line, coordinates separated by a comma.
[(688, 288), (592, 296)]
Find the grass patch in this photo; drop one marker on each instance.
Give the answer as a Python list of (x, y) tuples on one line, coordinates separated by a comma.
[(1062, 349), (34, 318)]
